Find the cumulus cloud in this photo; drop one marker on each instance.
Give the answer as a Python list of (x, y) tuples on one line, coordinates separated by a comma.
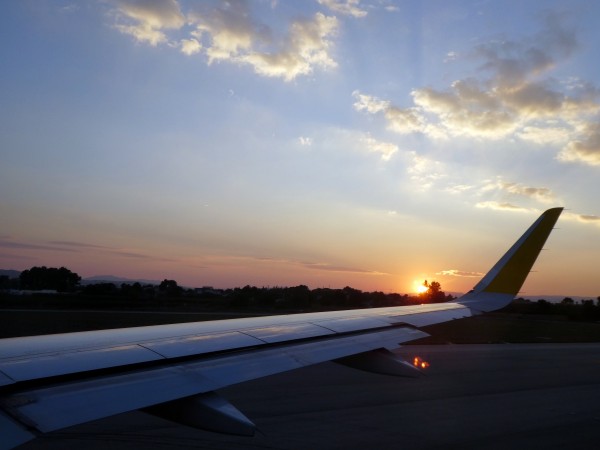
[(586, 149), (190, 46), (385, 149), (229, 28), (459, 273), (146, 20), (346, 7), (511, 96), (229, 32), (306, 46)]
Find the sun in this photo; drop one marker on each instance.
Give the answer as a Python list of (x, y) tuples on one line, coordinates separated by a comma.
[(419, 287)]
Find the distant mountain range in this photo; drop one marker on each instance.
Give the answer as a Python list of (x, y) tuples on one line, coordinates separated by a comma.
[(9, 273)]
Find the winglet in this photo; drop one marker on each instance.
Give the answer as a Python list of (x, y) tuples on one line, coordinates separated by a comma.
[(503, 282)]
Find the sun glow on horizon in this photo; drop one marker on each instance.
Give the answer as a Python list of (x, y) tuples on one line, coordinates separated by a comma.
[(419, 287)]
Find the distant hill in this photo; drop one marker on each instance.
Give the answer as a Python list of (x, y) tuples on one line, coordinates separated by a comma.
[(114, 279), (10, 273)]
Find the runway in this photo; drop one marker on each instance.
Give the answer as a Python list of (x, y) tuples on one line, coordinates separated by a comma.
[(501, 396)]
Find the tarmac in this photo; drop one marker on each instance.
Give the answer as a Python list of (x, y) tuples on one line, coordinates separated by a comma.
[(501, 396)]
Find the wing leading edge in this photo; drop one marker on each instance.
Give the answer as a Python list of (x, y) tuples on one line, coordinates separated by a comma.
[(52, 382)]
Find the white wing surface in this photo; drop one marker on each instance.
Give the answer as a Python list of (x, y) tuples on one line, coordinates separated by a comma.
[(56, 381)]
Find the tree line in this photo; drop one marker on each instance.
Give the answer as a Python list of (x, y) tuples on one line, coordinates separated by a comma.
[(63, 280), (169, 293)]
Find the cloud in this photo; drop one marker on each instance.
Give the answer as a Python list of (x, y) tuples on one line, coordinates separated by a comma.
[(190, 46), (370, 104), (146, 20), (510, 96), (459, 188), (450, 56), (582, 218), (586, 149), (233, 35), (459, 273), (425, 171), (498, 194), (385, 149), (322, 266), (127, 254), (406, 120), (345, 7), (82, 246), (589, 218), (77, 245), (513, 63), (332, 268), (540, 194), (544, 135), (229, 32), (9, 243), (500, 206), (305, 141), (306, 46), (229, 28)]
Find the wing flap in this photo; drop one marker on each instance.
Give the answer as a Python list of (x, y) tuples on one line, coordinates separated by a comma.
[(347, 324), (202, 343), (278, 333)]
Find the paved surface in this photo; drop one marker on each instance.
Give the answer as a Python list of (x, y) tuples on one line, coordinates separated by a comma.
[(474, 396)]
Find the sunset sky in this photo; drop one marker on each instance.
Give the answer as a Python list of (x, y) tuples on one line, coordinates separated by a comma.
[(332, 143)]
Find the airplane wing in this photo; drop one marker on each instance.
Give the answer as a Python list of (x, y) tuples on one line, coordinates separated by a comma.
[(56, 381)]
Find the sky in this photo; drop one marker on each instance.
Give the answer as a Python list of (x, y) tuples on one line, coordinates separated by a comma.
[(372, 144)]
